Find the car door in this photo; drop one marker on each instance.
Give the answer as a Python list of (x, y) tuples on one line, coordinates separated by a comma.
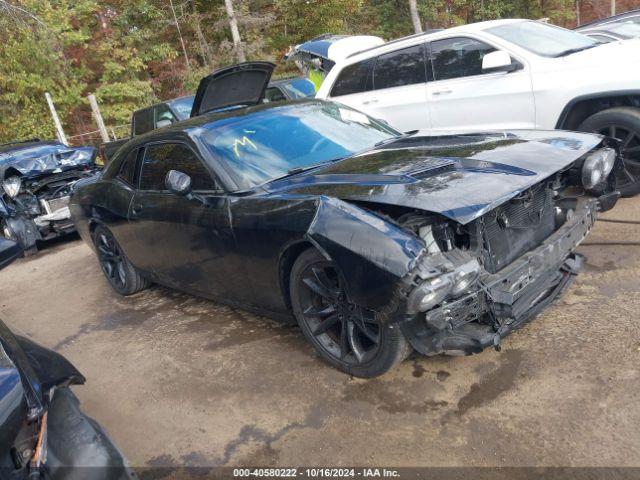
[(399, 89), (462, 97), (183, 241), (120, 194), (353, 85)]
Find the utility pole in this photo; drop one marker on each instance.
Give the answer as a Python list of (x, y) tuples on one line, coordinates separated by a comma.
[(235, 33), (56, 120), (613, 7), (97, 116), (184, 49)]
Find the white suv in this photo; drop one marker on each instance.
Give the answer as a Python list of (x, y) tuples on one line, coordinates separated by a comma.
[(503, 74)]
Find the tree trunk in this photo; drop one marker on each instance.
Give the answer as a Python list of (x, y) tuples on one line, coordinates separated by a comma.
[(233, 24), (415, 17), (184, 49), (204, 46)]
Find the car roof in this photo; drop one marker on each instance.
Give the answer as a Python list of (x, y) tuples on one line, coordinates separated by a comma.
[(25, 144), (469, 28), (600, 31), (209, 119), (613, 18), (284, 81)]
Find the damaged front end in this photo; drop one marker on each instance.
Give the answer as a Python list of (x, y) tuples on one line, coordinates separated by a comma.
[(35, 192), (478, 282), (463, 286)]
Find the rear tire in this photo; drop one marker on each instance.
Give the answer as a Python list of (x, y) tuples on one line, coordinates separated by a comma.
[(344, 334), (121, 274), (622, 123)]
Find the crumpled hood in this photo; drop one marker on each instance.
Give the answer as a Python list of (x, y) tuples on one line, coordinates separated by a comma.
[(46, 158), (458, 176)]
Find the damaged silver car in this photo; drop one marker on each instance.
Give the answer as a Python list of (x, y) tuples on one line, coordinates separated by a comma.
[(37, 178)]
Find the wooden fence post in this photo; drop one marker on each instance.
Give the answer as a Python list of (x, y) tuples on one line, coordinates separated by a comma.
[(97, 116), (56, 120)]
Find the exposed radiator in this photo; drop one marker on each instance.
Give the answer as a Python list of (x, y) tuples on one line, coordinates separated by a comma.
[(517, 227)]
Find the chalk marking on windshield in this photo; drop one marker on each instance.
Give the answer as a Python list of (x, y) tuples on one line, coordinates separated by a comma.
[(244, 141)]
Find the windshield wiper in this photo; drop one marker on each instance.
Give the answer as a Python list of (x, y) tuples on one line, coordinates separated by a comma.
[(296, 170), (395, 139), (576, 50)]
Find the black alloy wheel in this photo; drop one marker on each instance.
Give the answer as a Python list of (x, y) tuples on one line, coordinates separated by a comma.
[(345, 334), (120, 273), (622, 123)]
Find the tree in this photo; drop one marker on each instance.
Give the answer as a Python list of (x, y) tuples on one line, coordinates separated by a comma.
[(415, 16), (235, 34)]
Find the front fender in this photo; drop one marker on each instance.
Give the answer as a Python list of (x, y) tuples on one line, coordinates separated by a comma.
[(371, 253)]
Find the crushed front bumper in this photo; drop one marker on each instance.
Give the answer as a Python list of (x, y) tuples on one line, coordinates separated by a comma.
[(507, 299)]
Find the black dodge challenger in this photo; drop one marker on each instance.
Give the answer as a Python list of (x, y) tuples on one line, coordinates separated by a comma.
[(376, 242)]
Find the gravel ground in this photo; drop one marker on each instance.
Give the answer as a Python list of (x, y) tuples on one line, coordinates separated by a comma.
[(181, 381)]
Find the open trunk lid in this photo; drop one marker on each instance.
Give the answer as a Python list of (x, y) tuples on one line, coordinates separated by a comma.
[(243, 84)]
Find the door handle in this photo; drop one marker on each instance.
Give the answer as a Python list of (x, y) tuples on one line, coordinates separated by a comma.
[(369, 102), (136, 209), (441, 92)]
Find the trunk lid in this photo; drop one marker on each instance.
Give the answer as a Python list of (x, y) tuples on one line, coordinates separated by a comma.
[(243, 84)]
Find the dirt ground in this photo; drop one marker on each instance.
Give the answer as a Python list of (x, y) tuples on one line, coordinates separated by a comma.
[(177, 380)]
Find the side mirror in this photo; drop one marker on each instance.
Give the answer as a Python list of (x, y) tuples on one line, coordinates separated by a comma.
[(498, 61), (178, 183)]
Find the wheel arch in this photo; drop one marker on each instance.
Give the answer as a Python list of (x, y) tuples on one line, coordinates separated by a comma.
[(582, 107), (288, 257)]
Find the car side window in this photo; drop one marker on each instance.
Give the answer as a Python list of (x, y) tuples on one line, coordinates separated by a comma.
[(142, 121), (163, 116), (160, 158), (458, 57), (273, 94), (352, 79), (127, 170), (402, 67)]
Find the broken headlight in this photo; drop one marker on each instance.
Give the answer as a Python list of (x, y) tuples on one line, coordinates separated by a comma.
[(433, 291), (465, 276), (12, 186), (597, 166)]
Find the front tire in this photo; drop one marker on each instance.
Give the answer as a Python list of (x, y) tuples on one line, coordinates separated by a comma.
[(121, 274), (344, 334), (622, 123)]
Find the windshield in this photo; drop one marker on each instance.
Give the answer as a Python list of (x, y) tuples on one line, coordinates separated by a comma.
[(543, 39), (182, 106), (270, 143), (300, 88)]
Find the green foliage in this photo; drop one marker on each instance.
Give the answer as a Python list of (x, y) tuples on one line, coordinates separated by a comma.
[(129, 52)]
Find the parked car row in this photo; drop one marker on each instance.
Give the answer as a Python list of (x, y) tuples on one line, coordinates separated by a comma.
[(422, 202)]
